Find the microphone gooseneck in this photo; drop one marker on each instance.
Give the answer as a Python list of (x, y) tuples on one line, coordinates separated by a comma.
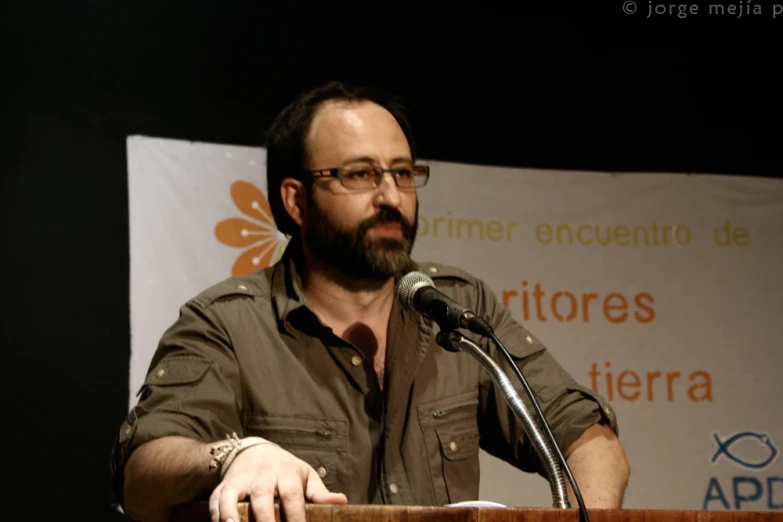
[(532, 428), (417, 293)]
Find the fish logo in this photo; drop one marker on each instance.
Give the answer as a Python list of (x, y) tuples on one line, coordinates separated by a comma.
[(756, 462)]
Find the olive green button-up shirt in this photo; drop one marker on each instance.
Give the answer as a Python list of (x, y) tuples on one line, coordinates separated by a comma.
[(250, 356)]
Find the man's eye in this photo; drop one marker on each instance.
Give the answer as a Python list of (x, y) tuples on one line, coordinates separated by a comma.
[(359, 174), (404, 172)]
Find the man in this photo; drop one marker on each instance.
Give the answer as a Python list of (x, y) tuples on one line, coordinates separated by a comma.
[(328, 391)]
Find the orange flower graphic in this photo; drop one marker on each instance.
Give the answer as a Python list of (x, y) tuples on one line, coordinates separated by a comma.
[(264, 243)]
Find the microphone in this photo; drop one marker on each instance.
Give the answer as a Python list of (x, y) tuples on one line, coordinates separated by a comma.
[(417, 293)]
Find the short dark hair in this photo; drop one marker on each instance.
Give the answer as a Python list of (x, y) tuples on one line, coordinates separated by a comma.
[(286, 140)]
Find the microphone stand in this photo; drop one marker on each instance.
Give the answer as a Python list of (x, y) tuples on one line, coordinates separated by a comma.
[(456, 342)]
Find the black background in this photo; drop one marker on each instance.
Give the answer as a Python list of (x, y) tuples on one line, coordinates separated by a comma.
[(539, 84)]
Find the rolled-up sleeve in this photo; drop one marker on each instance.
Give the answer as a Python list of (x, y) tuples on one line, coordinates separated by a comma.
[(569, 407), (191, 388)]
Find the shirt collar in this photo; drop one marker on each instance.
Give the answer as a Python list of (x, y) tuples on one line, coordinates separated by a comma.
[(287, 295), (289, 299)]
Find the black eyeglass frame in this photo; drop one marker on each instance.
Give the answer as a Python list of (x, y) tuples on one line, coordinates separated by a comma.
[(379, 172)]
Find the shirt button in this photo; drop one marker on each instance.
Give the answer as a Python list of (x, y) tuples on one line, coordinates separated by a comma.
[(394, 488), (160, 373), (453, 446), (433, 270), (529, 339), (356, 360), (321, 472), (242, 287)]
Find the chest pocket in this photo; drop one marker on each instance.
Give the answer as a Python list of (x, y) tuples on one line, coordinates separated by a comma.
[(451, 438), (320, 443)]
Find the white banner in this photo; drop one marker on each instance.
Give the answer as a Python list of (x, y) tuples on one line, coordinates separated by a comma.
[(659, 291)]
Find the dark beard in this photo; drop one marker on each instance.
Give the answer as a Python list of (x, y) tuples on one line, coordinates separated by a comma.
[(352, 252)]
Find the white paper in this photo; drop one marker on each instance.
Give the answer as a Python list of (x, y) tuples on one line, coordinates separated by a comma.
[(476, 503)]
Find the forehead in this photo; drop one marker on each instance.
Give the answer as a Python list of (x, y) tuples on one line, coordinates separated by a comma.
[(342, 131)]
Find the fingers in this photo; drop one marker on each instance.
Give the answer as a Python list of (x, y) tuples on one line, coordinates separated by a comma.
[(262, 498), (260, 475), (214, 510), (330, 498), (317, 493), (291, 492), (224, 500), (223, 503)]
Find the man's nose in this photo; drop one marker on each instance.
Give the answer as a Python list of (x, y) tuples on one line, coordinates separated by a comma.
[(388, 192)]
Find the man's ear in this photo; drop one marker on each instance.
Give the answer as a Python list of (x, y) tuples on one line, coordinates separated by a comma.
[(292, 192)]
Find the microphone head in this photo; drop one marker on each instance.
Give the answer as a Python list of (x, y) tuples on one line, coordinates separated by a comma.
[(407, 287)]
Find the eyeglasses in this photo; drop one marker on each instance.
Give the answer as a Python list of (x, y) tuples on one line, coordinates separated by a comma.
[(365, 177)]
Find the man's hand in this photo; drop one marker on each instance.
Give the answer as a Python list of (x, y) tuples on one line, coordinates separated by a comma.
[(262, 472)]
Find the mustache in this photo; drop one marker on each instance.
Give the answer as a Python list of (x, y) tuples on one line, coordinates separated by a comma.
[(387, 215)]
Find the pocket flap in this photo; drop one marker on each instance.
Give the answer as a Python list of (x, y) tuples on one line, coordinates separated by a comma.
[(177, 370), (520, 343), (458, 442)]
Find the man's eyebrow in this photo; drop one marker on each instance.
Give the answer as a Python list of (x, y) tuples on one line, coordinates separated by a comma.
[(368, 159), (401, 159)]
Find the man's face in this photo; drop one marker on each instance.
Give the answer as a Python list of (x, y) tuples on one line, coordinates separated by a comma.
[(368, 233)]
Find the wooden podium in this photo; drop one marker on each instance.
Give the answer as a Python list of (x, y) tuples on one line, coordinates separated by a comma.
[(199, 512)]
